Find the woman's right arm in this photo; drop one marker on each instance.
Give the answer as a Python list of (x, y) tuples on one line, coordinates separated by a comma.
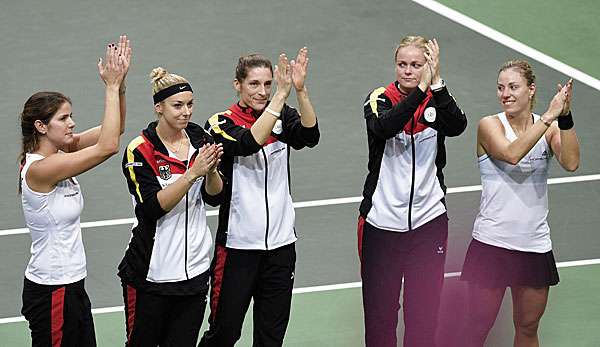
[(205, 161), (46, 173), (491, 139), (261, 129), (385, 120), (90, 136)]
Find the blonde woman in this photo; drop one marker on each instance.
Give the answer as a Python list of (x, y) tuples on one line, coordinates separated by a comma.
[(511, 244), (171, 172), (403, 225)]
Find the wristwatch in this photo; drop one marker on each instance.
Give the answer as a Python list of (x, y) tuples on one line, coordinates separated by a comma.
[(438, 86)]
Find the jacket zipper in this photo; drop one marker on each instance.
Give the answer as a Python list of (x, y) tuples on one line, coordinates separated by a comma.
[(187, 277), (412, 179), (266, 198)]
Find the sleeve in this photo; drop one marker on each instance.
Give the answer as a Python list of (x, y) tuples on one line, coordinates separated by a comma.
[(294, 133), (217, 199), (450, 120), (236, 140), (142, 182), (385, 120)]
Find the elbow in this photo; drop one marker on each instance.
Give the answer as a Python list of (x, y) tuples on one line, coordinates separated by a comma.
[(512, 160), (110, 149), (571, 167)]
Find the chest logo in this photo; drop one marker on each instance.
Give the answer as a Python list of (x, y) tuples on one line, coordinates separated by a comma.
[(165, 171), (430, 114)]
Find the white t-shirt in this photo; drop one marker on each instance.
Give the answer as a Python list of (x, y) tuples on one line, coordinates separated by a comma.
[(57, 254)]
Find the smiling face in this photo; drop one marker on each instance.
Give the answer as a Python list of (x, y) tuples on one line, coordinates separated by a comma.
[(175, 111), (409, 66), (255, 89), (514, 95), (59, 130)]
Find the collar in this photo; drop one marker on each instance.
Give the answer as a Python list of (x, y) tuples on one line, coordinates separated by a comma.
[(403, 94), (194, 132)]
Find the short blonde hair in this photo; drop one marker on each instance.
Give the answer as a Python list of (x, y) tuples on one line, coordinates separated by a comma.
[(411, 40), (161, 79)]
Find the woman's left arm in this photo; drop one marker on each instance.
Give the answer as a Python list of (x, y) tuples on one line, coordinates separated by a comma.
[(562, 136), (90, 136), (308, 118), (450, 119)]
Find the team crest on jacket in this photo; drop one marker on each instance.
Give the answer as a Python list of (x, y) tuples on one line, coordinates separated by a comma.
[(430, 114), (164, 171)]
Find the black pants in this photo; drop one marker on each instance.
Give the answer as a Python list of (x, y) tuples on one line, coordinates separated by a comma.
[(239, 275), (162, 320), (387, 257), (58, 315)]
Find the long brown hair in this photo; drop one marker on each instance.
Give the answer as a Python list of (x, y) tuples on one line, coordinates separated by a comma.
[(40, 106)]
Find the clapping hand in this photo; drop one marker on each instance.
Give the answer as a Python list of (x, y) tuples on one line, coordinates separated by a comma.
[(299, 67), (432, 54), (116, 61), (569, 95), (283, 76)]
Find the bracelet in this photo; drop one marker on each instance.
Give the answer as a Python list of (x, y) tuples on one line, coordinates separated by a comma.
[(189, 179), (276, 114), (566, 122)]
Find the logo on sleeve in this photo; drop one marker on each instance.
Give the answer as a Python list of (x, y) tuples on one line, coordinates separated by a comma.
[(430, 114), (278, 127)]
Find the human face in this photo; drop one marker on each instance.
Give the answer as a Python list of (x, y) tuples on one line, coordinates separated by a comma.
[(513, 92), (175, 111), (409, 66), (59, 130), (255, 89)]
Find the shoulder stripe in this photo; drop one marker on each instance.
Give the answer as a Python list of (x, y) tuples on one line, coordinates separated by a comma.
[(214, 125), (130, 163), (373, 99)]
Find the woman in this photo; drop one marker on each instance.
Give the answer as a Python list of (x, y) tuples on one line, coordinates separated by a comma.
[(403, 225), (511, 244), (54, 298), (255, 253), (171, 171)]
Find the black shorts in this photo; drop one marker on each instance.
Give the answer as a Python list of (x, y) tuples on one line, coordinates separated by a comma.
[(497, 267)]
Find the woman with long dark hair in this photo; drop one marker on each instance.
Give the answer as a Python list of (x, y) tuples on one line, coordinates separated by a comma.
[(54, 298)]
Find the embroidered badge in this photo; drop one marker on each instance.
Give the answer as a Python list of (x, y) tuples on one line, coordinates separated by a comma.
[(430, 114), (165, 171)]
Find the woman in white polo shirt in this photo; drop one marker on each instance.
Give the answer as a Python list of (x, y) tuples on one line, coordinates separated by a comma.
[(54, 298)]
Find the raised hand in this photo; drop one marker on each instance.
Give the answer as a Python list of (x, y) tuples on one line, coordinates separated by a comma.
[(426, 75), (569, 95), (299, 67), (558, 102), (283, 76), (218, 154), (124, 52), (432, 54), (205, 161), (113, 69)]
